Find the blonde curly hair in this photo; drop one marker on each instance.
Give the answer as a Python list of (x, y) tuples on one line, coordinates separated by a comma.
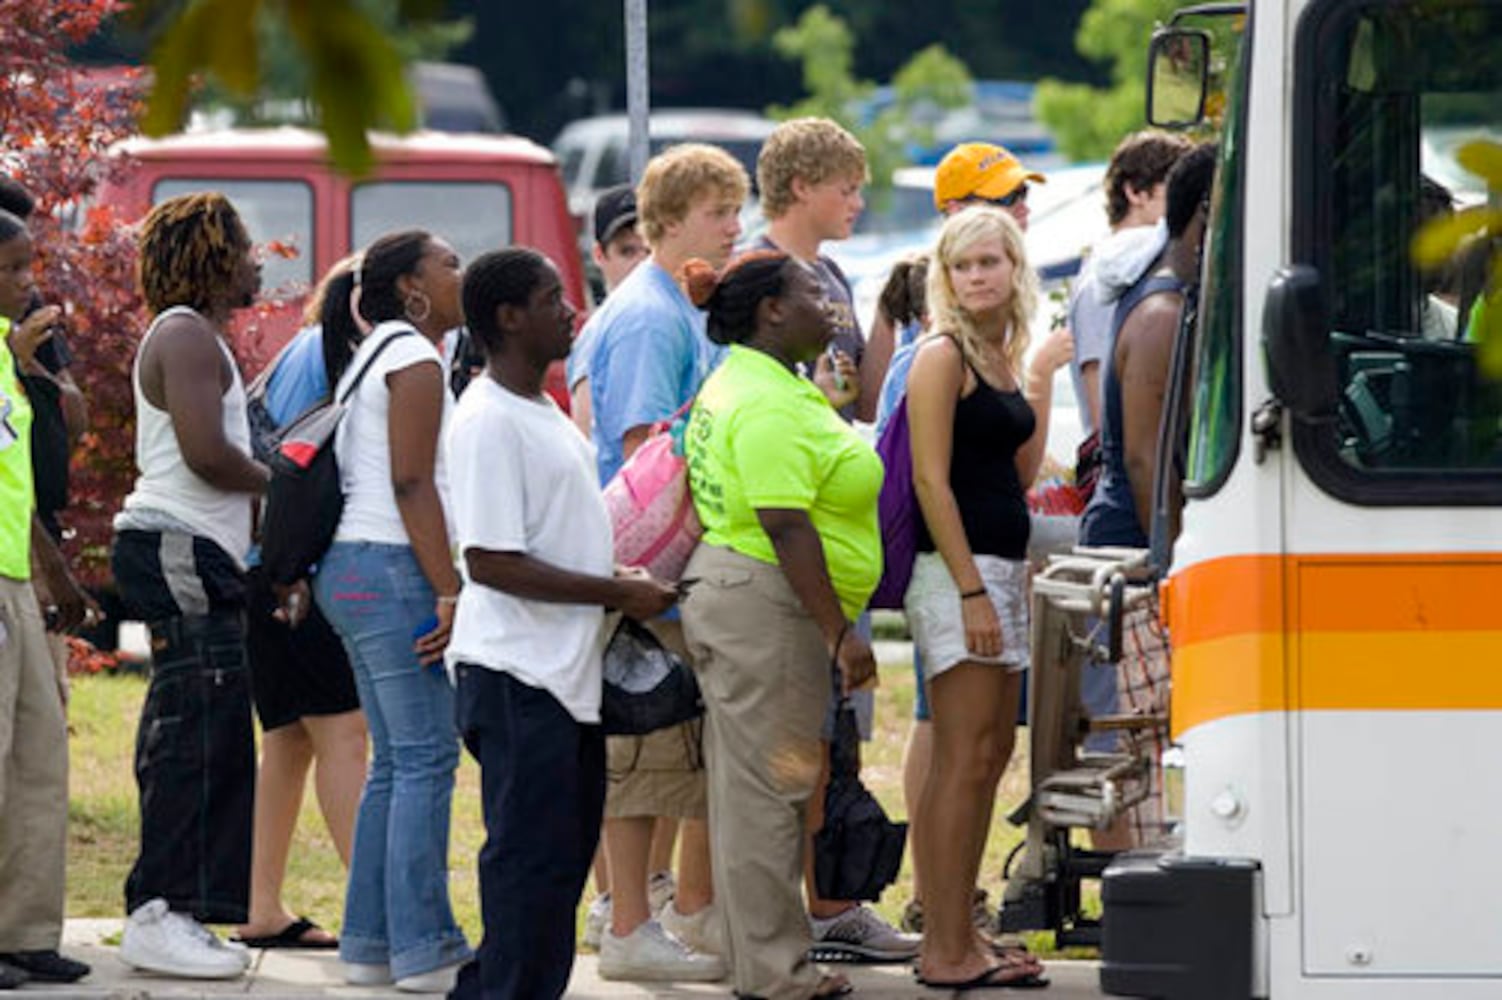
[(813, 150), (679, 176), (962, 231)]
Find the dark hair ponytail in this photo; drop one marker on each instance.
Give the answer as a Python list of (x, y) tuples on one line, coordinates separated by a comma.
[(341, 334), (904, 297), (387, 259)]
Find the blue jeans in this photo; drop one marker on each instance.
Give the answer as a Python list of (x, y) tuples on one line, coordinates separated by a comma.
[(397, 908)]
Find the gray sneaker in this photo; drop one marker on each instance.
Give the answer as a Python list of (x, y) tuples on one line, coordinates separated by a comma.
[(860, 935), (651, 954)]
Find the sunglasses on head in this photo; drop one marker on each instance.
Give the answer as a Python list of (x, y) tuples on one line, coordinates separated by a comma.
[(1012, 197)]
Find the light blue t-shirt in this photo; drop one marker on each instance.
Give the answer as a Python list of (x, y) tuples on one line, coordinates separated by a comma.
[(299, 380), (577, 365), (895, 383), (649, 356)]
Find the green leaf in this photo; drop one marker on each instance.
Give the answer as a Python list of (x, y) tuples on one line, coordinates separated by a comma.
[(1484, 159), (1438, 240), (356, 82)]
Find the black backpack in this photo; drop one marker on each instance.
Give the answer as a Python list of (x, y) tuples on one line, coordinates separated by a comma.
[(305, 498)]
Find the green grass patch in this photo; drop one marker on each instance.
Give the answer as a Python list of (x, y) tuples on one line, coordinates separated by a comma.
[(103, 830)]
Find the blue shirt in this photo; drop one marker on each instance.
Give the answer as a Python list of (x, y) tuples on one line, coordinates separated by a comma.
[(299, 380), (576, 368), (650, 355), (895, 383)]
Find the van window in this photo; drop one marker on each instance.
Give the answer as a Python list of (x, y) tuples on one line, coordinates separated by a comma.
[(280, 211), (1402, 87), (474, 216)]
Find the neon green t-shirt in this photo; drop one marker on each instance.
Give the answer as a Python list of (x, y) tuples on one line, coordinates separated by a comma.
[(17, 495), (761, 437)]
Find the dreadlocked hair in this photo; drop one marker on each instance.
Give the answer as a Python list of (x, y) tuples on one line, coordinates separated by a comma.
[(499, 278), (732, 295), (387, 259), (191, 247)]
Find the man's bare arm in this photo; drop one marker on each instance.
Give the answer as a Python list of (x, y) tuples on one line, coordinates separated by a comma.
[(1144, 350)]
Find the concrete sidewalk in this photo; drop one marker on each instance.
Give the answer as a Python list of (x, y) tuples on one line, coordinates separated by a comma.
[(309, 974)]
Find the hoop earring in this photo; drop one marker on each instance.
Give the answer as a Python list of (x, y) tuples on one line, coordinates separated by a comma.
[(412, 302)]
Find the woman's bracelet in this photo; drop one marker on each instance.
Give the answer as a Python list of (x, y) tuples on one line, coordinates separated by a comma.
[(977, 592), (448, 598)]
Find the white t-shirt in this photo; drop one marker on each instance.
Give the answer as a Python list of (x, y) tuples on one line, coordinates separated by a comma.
[(524, 481), (362, 444)]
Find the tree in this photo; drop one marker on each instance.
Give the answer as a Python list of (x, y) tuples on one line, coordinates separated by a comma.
[(60, 121), (58, 124), (354, 84), (284, 78), (1089, 121), (825, 47)]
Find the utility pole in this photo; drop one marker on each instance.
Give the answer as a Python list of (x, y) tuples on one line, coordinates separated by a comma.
[(638, 96)]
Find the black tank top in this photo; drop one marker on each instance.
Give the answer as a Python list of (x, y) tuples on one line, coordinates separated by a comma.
[(989, 427)]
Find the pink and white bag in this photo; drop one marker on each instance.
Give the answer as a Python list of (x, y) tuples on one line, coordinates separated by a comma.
[(650, 507)]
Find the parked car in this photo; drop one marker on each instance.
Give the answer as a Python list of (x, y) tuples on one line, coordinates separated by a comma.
[(593, 156), (999, 111), (479, 192)]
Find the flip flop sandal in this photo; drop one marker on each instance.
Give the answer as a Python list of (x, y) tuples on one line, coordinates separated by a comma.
[(291, 936), (991, 979)]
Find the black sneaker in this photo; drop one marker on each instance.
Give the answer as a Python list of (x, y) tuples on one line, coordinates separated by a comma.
[(11, 977), (45, 966)]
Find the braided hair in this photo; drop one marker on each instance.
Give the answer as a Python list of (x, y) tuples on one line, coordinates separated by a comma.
[(387, 259), (732, 295), (191, 248), (500, 277)]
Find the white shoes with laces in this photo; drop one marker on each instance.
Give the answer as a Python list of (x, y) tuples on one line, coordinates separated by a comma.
[(651, 954), (159, 940)]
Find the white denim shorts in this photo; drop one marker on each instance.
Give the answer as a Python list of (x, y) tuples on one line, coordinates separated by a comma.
[(933, 612)]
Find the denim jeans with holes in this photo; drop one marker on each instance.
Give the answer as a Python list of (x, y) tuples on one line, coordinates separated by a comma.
[(397, 907)]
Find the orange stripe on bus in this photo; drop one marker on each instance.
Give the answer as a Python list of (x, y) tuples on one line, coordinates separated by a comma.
[(1366, 632)]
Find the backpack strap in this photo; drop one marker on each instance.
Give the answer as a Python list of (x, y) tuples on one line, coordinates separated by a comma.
[(360, 375)]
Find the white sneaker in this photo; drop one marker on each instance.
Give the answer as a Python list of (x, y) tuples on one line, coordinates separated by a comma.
[(596, 919), (439, 980), (651, 954), (660, 891), (367, 973), (860, 935), (174, 944), (701, 931)]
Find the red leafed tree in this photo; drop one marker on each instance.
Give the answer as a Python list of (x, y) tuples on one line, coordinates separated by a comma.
[(58, 120)]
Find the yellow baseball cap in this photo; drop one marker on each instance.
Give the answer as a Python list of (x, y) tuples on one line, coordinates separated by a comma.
[(979, 170)]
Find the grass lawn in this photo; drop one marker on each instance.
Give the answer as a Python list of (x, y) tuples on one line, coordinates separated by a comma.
[(103, 831)]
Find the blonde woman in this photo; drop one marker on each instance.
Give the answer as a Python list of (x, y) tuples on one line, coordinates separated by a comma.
[(979, 420)]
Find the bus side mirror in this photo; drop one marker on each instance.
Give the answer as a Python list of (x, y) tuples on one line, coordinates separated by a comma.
[(1178, 77), (1296, 340)]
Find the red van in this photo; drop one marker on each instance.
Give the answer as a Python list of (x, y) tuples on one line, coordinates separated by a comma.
[(479, 192)]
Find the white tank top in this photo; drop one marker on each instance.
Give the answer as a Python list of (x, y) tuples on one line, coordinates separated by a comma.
[(166, 484)]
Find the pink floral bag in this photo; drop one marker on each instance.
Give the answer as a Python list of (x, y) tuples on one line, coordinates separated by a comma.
[(650, 507)]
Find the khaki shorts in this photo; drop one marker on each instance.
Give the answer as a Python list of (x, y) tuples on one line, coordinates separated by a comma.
[(662, 773)]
